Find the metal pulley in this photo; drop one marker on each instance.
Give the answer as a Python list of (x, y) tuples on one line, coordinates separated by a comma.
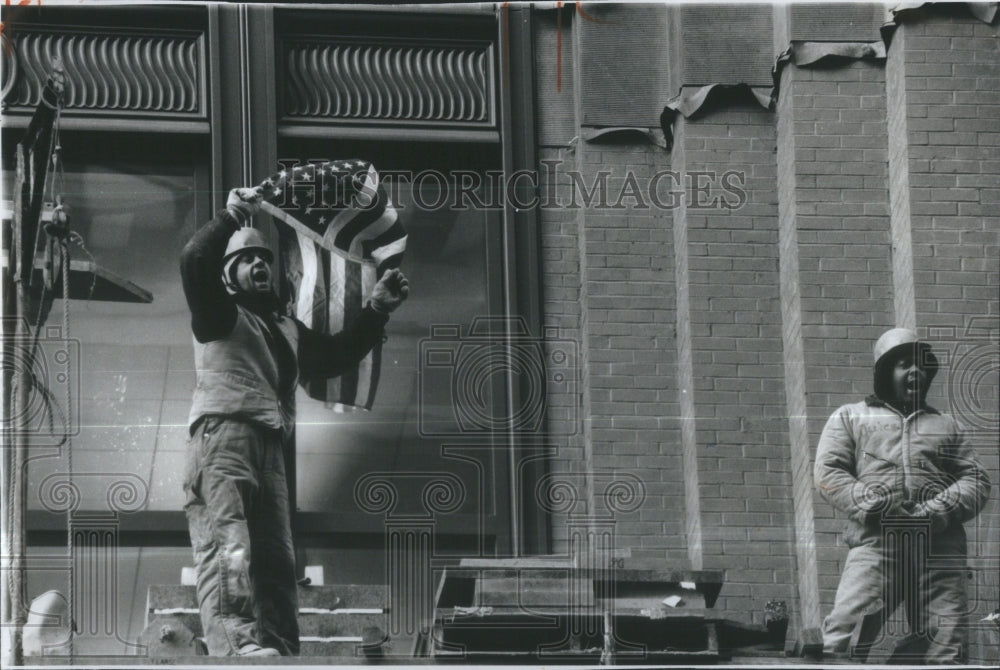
[(56, 229)]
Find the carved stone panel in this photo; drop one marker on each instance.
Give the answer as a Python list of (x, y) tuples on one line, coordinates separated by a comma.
[(117, 73), (440, 84)]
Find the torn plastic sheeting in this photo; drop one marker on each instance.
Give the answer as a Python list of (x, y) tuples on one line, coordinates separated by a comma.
[(984, 11), (805, 54), (650, 135), (691, 100), (811, 53)]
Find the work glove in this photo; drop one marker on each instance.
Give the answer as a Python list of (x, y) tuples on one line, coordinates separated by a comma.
[(390, 292), (243, 203)]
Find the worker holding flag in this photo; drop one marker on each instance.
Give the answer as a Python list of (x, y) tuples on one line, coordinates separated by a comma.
[(249, 357)]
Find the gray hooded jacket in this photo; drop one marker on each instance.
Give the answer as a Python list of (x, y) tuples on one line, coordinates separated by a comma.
[(874, 464)]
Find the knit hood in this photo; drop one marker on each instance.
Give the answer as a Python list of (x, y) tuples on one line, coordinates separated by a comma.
[(890, 346)]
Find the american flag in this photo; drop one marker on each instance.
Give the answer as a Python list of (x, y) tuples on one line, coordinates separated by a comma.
[(342, 234)]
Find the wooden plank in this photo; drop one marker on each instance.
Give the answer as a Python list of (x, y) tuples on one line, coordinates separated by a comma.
[(510, 564), (87, 279), (651, 608), (658, 613), (352, 596), (530, 590), (507, 567), (507, 612), (581, 655), (90, 281), (653, 593)]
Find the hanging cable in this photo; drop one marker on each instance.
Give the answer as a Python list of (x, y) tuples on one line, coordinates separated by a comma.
[(64, 244), (63, 233), (60, 235)]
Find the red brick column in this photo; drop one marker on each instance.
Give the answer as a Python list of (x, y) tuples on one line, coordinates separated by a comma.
[(608, 284), (836, 278), (738, 406), (945, 70), (832, 158)]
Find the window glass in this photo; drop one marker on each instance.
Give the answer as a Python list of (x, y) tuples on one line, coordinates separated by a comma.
[(132, 385), (448, 264)]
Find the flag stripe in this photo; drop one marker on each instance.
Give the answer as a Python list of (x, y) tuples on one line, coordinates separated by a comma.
[(336, 281), (321, 310), (376, 371), (307, 283), (383, 254), (352, 310), (299, 227), (369, 189), (394, 233), (333, 255), (361, 241), (336, 317), (375, 229), (362, 219), (365, 366)]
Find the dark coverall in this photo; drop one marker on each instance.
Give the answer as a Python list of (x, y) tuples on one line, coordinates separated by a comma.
[(242, 416)]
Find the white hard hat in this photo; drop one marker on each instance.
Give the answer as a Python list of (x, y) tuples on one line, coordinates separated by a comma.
[(246, 239), (243, 240), (893, 338)]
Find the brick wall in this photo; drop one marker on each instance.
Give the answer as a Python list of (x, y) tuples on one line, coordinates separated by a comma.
[(838, 123), (651, 294), (951, 72), (741, 431), (631, 357), (608, 271), (608, 286), (560, 274)]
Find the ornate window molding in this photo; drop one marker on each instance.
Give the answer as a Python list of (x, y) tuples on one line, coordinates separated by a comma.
[(449, 84), (117, 73)]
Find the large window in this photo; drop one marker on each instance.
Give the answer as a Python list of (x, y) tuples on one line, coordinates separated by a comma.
[(134, 200), (137, 197), (453, 265)]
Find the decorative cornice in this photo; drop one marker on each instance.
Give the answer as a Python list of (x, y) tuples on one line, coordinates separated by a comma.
[(159, 74), (338, 80)]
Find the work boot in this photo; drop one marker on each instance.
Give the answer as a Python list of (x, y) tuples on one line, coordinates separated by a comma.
[(257, 650)]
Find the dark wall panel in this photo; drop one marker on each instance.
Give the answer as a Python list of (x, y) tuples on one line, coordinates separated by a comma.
[(836, 22), (726, 44), (624, 58), (554, 75)]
